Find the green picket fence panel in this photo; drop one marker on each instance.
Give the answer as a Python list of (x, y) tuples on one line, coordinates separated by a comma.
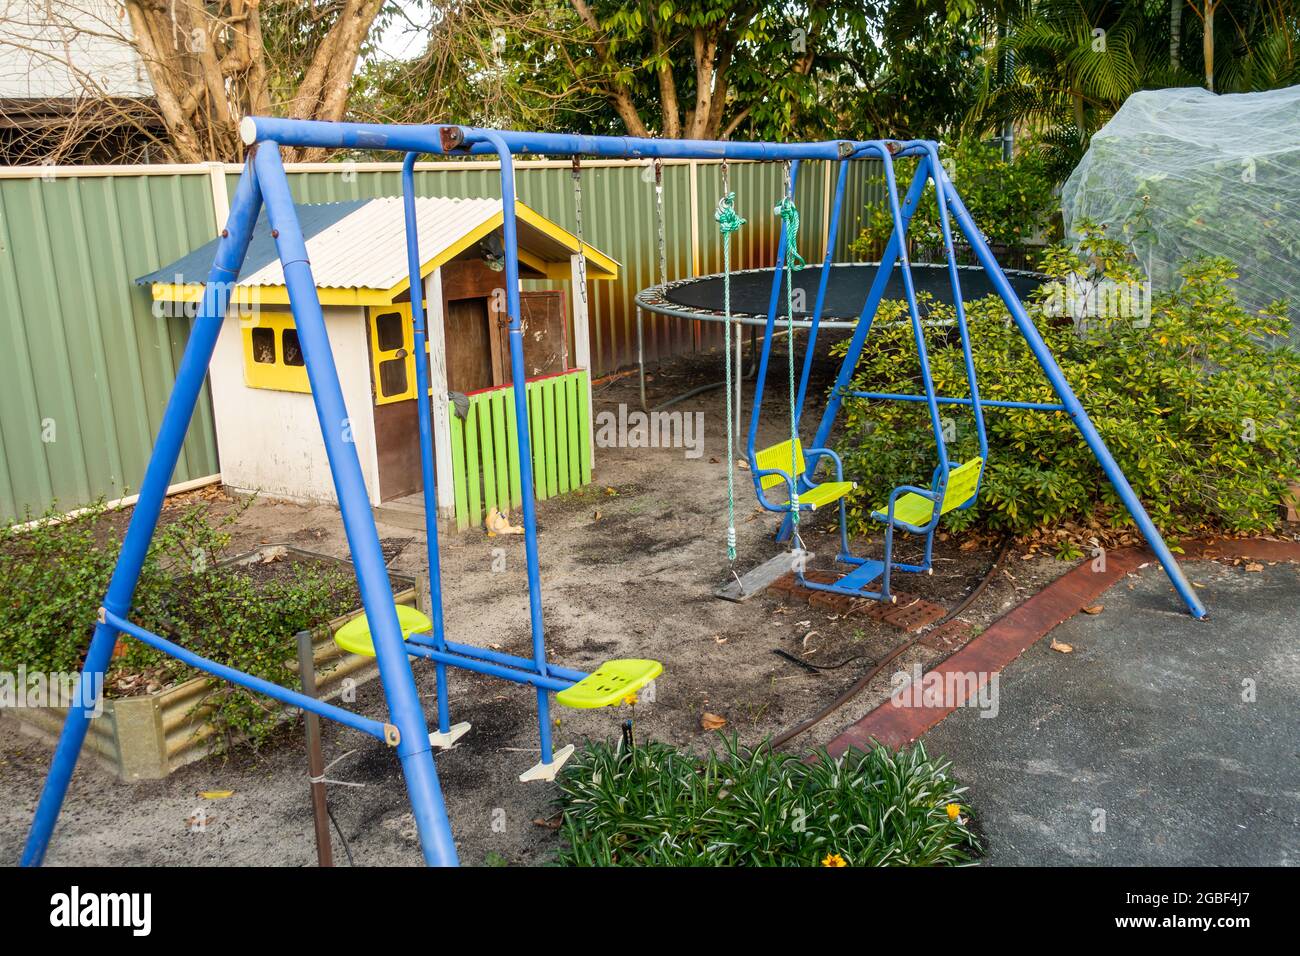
[(485, 446)]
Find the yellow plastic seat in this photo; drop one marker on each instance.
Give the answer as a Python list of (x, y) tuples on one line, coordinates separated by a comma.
[(354, 636), (612, 682), (916, 510), (819, 496), (779, 458)]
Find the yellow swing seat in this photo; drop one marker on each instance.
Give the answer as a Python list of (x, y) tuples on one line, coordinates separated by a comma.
[(917, 510), (354, 636), (779, 458), (611, 683)]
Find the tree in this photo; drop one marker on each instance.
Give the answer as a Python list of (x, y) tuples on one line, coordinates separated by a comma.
[(703, 70), (1075, 62), (209, 66), (713, 70)]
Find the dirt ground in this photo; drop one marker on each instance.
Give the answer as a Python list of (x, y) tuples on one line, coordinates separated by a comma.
[(629, 565)]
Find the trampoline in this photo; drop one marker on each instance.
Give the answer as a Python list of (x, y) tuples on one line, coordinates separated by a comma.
[(846, 292)]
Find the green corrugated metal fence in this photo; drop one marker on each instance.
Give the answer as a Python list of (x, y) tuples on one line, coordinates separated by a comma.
[(86, 366), (485, 446)]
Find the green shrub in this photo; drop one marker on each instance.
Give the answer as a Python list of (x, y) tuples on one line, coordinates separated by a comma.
[(1012, 202), (656, 806), (56, 575), (1198, 409)]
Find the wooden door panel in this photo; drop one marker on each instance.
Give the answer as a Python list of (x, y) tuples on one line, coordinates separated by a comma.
[(545, 329), (468, 336)]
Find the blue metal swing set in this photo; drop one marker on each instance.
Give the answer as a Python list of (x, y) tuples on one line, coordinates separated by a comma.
[(263, 184)]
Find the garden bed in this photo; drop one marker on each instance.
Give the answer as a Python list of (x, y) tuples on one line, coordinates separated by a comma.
[(243, 611)]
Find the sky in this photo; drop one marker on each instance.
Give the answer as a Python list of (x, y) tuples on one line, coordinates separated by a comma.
[(399, 41)]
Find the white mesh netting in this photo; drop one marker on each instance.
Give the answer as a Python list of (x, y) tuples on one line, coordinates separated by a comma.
[(1184, 173)]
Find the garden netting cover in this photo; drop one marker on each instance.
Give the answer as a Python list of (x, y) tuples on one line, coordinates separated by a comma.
[(1184, 173)]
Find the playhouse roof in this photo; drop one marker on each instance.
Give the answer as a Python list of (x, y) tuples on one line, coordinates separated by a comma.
[(358, 250)]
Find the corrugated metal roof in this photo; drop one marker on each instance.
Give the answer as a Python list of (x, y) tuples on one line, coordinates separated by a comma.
[(357, 245), (195, 266), (367, 249)]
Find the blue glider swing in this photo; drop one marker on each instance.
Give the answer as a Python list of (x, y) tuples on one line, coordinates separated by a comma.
[(909, 508), (394, 642)]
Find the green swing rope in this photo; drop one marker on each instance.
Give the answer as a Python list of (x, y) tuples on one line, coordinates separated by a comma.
[(789, 214), (728, 223)]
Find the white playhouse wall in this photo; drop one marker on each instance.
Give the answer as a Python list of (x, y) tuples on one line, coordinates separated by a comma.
[(270, 441)]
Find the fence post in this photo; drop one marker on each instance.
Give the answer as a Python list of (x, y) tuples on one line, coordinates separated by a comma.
[(220, 195)]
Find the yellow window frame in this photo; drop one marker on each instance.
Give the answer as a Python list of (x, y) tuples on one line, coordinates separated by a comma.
[(380, 354), (277, 374)]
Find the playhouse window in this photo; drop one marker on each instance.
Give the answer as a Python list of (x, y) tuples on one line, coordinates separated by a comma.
[(264, 346), (290, 349), (272, 356), (392, 341)]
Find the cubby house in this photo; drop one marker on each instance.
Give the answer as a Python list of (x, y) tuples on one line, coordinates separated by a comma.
[(268, 437)]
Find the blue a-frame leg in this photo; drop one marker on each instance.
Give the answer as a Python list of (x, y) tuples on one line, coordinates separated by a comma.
[(264, 182)]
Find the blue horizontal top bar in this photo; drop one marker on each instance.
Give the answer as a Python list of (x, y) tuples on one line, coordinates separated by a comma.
[(428, 139)]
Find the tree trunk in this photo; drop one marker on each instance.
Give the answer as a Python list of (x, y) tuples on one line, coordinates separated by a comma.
[(340, 54), (618, 96), (1207, 43), (185, 146), (671, 108), (1175, 31)]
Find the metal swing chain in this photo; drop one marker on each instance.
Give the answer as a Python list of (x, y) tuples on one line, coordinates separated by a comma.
[(659, 218), (577, 211), (728, 222), (789, 214)]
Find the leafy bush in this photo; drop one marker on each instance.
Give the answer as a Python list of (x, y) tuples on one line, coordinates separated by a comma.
[(56, 575), (656, 806), (1198, 409), (1010, 201)]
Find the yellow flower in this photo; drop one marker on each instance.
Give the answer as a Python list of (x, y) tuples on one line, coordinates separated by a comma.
[(954, 811), (833, 859)]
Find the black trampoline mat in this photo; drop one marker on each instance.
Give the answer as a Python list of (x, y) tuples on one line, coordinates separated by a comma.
[(846, 291)]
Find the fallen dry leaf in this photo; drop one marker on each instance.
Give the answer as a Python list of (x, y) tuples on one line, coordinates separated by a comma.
[(552, 824), (712, 721), (1061, 647), (1094, 609), (1254, 566)]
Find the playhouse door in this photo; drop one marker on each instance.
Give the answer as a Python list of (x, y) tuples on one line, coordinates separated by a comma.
[(468, 334)]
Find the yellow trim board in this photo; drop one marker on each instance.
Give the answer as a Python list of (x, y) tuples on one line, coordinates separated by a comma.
[(603, 263), (270, 294)]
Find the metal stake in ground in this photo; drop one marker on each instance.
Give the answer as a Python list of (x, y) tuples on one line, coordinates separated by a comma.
[(315, 759)]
